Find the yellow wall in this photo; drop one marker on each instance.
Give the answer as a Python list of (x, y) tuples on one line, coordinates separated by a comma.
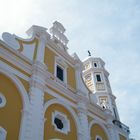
[(122, 137), (97, 130), (10, 114), (49, 59), (47, 97), (14, 66), (49, 131), (71, 77)]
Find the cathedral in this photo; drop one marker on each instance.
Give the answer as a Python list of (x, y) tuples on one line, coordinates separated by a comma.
[(48, 94)]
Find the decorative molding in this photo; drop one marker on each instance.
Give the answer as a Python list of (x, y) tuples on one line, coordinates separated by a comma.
[(64, 119), (15, 61), (15, 52), (25, 98), (13, 71), (69, 108), (53, 47), (83, 118), (93, 122), (57, 31), (11, 40), (93, 109)]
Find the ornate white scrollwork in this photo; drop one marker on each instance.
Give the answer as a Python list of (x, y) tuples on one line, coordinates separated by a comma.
[(58, 36), (10, 40)]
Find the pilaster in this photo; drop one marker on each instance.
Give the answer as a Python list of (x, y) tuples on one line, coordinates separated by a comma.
[(41, 34), (36, 92), (82, 115), (81, 87)]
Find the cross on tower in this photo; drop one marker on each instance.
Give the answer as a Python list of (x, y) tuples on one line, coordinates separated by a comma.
[(89, 53)]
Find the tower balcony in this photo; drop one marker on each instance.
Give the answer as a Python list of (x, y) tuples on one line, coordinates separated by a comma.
[(121, 126)]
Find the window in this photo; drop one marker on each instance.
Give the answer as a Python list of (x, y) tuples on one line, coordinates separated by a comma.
[(2, 100), (61, 69), (60, 122), (98, 77), (95, 65), (60, 73)]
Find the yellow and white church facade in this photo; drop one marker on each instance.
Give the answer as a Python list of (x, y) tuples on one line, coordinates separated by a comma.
[(48, 94)]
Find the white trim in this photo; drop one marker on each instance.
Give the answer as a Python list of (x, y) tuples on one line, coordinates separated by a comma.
[(19, 86), (65, 105), (53, 47), (16, 52), (61, 97), (16, 61), (101, 125), (25, 102), (3, 133), (93, 108), (13, 71), (64, 119)]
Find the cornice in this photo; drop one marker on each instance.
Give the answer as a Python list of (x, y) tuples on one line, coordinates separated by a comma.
[(15, 52), (8, 68), (95, 70), (15, 61)]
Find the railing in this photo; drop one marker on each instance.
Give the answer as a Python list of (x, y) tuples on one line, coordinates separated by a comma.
[(121, 125)]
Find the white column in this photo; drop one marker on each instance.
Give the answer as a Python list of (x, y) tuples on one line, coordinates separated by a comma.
[(84, 134), (110, 126), (41, 48), (81, 87), (36, 117), (112, 132)]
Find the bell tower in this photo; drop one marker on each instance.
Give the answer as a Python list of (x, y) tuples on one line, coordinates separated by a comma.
[(96, 78)]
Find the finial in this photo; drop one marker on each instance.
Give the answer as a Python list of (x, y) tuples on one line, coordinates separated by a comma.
[(89, 53)]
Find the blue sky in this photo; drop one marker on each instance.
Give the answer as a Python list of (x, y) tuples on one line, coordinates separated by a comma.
[(110, 29)]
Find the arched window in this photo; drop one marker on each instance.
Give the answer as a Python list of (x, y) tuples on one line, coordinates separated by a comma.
[(2, 134)]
